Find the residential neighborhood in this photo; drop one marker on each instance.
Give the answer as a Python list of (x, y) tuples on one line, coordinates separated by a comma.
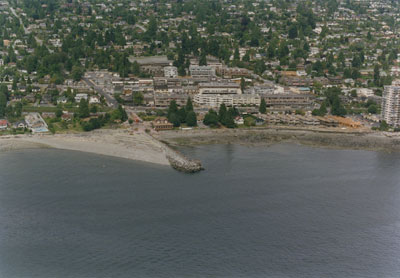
[(293, 58)]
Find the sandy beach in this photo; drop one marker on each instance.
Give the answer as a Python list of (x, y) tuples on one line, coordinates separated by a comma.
[(118, 143)]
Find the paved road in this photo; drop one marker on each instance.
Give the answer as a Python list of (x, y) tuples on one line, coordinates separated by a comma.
[(141, 27), (27, 32), (20, 20), (109, 99)]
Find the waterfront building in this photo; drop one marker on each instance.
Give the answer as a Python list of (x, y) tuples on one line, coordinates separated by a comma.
[(161, 123), (391, 104)]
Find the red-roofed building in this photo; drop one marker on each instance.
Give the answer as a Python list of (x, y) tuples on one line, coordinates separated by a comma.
[(3, 124)]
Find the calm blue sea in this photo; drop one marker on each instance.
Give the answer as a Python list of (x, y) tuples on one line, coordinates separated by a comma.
[(281, 211)]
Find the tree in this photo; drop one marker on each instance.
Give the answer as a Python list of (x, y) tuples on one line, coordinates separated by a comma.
[(138, 98), (124, 115), (384, 126), (189, 105), (236, 55), (191, 119), (152, 28), (173, 108), (372, 109), (182, 114), (211, 118), (222, 112), (84, 108), (77, 73), (136, 68), (174, 119), (228, 119), (271, 51), (337, 108), (376, 75), (242, 84), (172, 115), (93, 109), (59, 112), (181, 70), (292, 32), (3, 104), (321, 111), (203, 59), (249, 121), (263, 106)]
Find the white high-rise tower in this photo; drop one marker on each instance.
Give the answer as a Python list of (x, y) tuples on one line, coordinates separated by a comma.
[(391, 104)]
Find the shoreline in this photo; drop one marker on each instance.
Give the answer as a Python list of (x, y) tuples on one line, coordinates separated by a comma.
[(126, 144), (163, 148), (325, 138)]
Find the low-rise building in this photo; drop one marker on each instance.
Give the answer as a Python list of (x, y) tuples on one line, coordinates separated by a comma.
[(170, 72), (288, 100), (78, 97), (162, 123), (163, 100), (215, 100), (201, 71), (36, 123), (3, 124), (94, 99), (20, 124)]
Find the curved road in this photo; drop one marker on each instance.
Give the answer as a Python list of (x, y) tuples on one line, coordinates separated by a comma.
[(109, 99)]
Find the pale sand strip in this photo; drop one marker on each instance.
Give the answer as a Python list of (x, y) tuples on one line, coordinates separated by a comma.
[(117, 143)]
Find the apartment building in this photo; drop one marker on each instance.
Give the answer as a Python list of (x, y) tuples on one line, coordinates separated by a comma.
[(201, 71), (391, 104)]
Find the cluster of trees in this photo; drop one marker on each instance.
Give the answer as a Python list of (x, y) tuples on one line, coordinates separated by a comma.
[(371, 106), (225, 117), (333, 101), (3, 99), (95, 123), (185, 114), (118, 115)]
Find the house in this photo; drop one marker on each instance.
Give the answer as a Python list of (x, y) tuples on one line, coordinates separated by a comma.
[(20, 124), (94, 99), (3, 124), (239, 120), (78, 97), (62, 100), (161, 123), (67, 116), (48, 115), (30, 98)]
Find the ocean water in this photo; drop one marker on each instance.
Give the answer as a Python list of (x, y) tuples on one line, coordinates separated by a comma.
[(280, 211)]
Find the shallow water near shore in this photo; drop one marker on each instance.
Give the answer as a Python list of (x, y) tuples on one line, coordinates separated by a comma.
[(280, 211)]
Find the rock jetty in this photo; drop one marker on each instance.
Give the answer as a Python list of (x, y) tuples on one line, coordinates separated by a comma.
[(180, 162), (184, 164)]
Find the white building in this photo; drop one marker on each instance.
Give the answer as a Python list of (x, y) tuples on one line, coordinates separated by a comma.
[(94, 100), (201, 71), (214, 94), (215, 100), (391, 104), (78, 97), (219, 88), (170, 72)]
